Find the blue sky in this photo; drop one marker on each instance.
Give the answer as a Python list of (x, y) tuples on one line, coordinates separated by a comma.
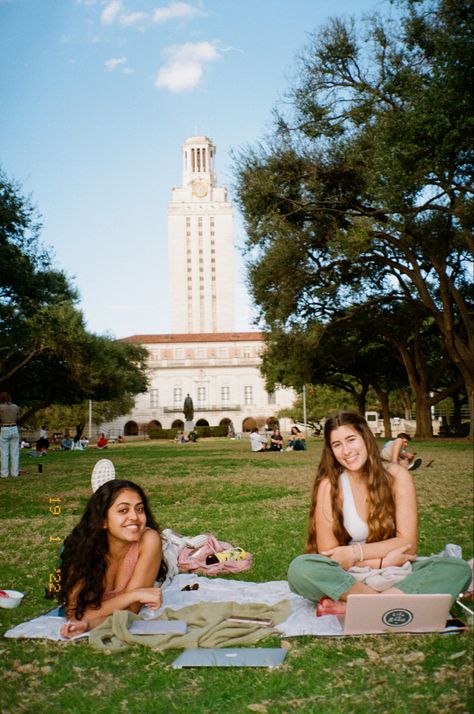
[(97, 98)]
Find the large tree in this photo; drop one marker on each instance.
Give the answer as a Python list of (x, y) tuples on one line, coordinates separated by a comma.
[(364, 191), (46, 354)]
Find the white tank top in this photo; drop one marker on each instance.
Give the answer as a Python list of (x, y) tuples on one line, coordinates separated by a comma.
[(353, 523)]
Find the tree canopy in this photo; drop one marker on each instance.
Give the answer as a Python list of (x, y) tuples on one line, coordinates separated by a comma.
[(46, 354), (362, 197)]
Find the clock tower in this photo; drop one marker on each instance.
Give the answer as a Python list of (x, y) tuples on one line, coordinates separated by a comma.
[(200, 245)]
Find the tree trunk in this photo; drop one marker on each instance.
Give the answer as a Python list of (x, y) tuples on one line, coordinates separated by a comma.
[(361, 397), (424, 426), (406, 399), (470, 396), (418, 383), (383, 399)]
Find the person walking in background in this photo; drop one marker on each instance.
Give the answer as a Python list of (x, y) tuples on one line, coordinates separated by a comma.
[(9, 436)]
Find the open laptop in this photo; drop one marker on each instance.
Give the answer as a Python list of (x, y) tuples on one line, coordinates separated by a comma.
[(382, 614), (231, 657)]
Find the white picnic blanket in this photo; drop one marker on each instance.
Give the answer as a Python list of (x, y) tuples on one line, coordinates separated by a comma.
[(302, 620)]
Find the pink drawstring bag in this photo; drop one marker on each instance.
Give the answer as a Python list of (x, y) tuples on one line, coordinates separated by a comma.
[(193, 560)]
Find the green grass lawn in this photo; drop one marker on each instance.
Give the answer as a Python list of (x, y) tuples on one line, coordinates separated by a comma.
[(257, 501)]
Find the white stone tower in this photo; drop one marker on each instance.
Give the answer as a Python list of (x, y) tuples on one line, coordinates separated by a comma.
[(200, 246)]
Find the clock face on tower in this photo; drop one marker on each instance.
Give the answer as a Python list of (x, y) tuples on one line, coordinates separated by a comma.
[(200, 189)]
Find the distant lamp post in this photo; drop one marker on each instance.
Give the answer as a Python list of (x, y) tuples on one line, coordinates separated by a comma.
[(304, 411)]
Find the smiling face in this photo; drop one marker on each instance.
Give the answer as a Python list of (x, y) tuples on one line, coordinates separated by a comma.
[(126, 518), (349, 448)]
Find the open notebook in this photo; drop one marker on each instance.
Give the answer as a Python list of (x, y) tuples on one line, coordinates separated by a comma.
[(379, 614)]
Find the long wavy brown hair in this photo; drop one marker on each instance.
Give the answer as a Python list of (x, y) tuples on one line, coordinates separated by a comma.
[(84, 557), (381, 516)]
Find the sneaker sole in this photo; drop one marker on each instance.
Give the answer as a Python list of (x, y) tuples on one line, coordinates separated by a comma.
[(102, 472)]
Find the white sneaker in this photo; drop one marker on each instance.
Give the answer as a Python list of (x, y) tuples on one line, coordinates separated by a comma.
[(102, 472)]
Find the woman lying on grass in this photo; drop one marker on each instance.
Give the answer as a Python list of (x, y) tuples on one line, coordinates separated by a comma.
[(364, 513), (111, 559)]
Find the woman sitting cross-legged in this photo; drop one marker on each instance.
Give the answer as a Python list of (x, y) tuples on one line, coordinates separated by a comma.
[(276, 440), (111, 559), (364, 513), (297, 440)]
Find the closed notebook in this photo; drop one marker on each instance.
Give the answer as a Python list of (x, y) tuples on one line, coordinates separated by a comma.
[(380, 614), (231, 657), (158, 627)]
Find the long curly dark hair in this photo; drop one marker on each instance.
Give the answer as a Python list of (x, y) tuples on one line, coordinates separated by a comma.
[(381, 516), (84, 556)]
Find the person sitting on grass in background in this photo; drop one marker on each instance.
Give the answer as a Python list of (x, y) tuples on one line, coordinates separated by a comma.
[(111, 559), (276, 440), (395, 451), (363, 513), (67, 443), (297, 440), (257, 441), (102, 441)]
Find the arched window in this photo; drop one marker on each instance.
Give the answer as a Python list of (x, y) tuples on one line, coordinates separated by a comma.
[(130, 428), (248, 424)]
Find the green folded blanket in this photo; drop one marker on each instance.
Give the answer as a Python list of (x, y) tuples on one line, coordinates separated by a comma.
[(207, 627)]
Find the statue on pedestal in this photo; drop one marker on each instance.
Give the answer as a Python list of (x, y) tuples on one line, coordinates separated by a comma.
[(188, 408)]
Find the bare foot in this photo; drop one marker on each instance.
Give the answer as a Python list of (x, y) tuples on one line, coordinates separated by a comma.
[(326, 606)]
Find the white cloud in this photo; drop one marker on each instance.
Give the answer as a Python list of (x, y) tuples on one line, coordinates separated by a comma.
[(132, 18), (113, 13), (114, 62), (176, 10), (185, 66)]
